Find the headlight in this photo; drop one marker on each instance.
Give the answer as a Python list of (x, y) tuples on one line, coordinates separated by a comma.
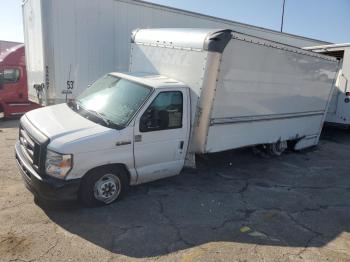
[(58, 165)]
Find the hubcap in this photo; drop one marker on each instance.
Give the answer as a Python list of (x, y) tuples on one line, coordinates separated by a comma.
[(107, 188)]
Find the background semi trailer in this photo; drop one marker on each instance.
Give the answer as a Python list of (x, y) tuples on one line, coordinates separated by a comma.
[(339, 108), (13, 83), (70, 43), (189, 91)]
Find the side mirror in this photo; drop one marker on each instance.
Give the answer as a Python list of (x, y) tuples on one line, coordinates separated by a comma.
[(153, 120), (146, 122)]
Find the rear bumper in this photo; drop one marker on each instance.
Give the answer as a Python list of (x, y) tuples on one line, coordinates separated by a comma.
[(45, 187)]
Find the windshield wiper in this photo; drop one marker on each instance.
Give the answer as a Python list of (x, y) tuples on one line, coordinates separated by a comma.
[(73, 104), (76, 105), (101, 116), (108, 122)]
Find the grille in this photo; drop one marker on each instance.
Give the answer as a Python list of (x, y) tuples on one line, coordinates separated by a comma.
[(30, 148)]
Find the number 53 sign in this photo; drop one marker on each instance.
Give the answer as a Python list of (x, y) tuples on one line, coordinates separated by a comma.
[(70, 85)]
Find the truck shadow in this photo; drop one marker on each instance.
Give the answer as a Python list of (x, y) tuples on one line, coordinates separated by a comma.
[(297, 200)]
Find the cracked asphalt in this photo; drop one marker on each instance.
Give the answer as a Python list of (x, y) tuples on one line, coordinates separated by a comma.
[(237, 206)]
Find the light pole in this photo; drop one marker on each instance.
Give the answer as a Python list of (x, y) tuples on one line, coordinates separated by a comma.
[(284, 2)]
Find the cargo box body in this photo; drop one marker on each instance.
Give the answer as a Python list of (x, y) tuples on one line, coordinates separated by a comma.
[(244, 90), (71, 43)]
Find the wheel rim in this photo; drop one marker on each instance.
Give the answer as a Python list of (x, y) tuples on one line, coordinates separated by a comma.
[(278, 148), (107, 188)]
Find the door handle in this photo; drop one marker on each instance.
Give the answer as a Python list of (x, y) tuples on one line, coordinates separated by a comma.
[(181, 145), (122, 143)]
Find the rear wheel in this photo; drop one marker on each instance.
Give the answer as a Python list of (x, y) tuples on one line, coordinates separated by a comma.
[(276, 149), (103, 186)]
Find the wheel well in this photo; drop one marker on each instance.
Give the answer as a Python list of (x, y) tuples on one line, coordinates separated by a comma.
[(113, 166)]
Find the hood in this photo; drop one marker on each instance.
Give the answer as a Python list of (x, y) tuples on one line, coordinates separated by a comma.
[(59, 121)]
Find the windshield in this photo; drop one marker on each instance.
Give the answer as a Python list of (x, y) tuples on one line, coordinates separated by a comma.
[(114, 99)]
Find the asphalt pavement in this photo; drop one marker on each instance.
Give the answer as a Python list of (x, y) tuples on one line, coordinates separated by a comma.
[(236, 206)]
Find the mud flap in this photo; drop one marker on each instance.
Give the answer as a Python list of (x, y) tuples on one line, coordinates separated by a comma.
[(190, 160), (307, 142)]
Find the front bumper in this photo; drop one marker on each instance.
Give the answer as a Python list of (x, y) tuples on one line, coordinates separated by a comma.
[(43, 186)]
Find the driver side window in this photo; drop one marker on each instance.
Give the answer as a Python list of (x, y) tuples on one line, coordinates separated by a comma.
[(164, 113), (9, 76)]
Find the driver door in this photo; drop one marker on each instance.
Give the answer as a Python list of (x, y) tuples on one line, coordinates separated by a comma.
[(161, 135), (10, 84)]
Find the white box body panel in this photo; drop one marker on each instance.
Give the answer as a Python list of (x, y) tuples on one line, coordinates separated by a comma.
[(339, 107), (254, 92), (257, 80), (250, 133), (71, 43), (183, 65), (267, 93)]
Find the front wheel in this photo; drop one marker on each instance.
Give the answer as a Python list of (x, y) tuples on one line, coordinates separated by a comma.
[(103, 186)]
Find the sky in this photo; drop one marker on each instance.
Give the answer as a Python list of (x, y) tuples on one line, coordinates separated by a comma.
[(320, 19)]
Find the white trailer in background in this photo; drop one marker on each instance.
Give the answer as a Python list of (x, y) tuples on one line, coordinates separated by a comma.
[(339, 107), (189, 91), (71, 43)]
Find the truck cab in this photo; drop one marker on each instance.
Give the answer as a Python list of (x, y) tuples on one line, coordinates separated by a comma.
[(125, 129), (13, 84)]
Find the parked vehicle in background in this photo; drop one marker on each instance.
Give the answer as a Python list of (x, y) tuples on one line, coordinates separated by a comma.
[(339, 108), (189, 91), (13, 84), (71, 43), (7, 45)]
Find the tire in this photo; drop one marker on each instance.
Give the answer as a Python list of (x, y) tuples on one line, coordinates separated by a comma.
[(277, 148), (103, 186)]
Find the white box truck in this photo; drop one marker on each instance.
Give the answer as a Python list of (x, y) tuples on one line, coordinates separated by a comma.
[(70, 43), (188, 91), (339, 107)]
